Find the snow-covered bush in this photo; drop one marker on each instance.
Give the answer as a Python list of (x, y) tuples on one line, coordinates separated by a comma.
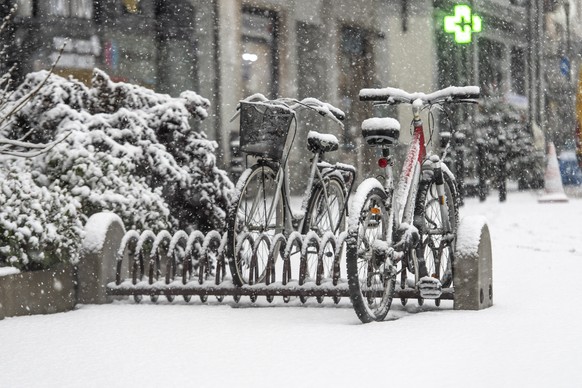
[(501, 129), (39, 227), (126, 149)]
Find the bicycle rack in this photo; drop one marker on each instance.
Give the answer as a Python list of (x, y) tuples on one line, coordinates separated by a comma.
[(195, 265)]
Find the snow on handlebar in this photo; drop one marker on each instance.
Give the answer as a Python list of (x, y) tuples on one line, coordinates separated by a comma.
[(323, 108), (395, 96)]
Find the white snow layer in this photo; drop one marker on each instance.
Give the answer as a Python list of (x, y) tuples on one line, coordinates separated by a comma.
[(324, 138), (469, 235), (375, 123), (96, 230), (5, 271), (530, 337), (402, 95)]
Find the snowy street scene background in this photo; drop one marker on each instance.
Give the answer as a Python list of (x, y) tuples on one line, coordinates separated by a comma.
[(142, 143), (530, 337)]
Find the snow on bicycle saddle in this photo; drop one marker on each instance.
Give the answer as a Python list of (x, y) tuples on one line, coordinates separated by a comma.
[(381, 131), (321, 142)]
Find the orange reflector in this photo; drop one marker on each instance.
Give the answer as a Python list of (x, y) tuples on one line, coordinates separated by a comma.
[(442, 200), (375, 210)]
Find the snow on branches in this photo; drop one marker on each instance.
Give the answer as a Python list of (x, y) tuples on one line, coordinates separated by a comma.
[(126, 149)]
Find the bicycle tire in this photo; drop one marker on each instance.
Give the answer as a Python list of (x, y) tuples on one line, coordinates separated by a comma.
[(437, 248), (371, 295), (317, 216), (258, 186), (317, 213), (308, 262)]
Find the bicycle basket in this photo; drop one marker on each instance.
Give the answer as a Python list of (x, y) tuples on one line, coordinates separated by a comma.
[(264, 129)]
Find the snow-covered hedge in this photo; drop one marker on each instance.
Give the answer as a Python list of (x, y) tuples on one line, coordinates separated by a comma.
[(39, 226), (127, 149)]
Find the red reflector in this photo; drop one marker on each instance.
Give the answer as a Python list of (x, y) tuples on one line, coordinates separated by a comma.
[(383, 162)]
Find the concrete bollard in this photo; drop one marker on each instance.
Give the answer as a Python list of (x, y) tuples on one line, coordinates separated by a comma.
[(97, 265), (473, 269)]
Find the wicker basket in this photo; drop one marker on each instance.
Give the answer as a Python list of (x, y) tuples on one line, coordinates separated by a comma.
[(264, 129)]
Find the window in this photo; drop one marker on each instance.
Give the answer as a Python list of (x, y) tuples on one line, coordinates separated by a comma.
[(312, 67), (24, 8), (259, 52), (58, 8), (71, 8), (82, 9), (131, 6), (491, 64), (518, 70), (356, 72), (176, 46)]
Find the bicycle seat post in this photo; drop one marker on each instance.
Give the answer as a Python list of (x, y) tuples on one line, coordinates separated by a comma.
[(387, 163)]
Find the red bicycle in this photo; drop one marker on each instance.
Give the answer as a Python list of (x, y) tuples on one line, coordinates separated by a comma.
[(408, 227)]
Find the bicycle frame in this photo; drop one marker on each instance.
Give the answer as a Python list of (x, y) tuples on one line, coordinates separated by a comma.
[(404, 198), (290, 221)]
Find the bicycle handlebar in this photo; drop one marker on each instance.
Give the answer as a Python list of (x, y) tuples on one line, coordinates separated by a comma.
[(393, 96), (323, 108)]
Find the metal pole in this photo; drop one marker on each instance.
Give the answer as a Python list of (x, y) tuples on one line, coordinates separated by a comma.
[(535, 79), (540, 76)]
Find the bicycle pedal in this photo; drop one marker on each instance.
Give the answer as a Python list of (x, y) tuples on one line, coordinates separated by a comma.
[(429, 287)]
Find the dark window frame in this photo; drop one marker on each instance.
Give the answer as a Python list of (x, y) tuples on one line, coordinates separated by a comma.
[(274, 18)]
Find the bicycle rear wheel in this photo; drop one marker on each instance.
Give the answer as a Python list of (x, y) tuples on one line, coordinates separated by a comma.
[(324, 209), (437, 246), (371, 277), (255, 211)]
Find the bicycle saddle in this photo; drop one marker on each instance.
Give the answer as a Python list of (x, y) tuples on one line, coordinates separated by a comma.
[(381, 131), (321, 142)]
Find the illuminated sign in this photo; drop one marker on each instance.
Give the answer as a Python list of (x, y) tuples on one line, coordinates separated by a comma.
[(463, 24)]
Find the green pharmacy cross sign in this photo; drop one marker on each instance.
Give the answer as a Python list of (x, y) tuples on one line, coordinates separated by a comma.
[(463, 23)]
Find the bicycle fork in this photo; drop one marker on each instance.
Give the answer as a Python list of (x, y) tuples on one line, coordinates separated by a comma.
[(440, 187)]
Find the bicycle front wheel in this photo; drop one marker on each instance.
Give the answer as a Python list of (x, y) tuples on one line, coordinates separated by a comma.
[(371, 277), (437, 245), (326, 213), (256, 211)]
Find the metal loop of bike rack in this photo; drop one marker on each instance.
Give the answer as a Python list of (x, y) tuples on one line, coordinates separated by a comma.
[(163, 264)]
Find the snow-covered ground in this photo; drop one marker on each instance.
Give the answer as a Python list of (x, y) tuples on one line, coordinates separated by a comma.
[(531, 337)]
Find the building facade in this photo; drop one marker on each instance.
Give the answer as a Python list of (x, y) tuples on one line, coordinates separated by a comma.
[(328, 49)]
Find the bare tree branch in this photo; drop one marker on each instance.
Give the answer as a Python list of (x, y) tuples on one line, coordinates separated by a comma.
[(28, 153), (25, 99)]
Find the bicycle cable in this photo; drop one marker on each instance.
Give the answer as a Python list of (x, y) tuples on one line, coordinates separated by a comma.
[(292, 140), (451, 131), (431, 124)]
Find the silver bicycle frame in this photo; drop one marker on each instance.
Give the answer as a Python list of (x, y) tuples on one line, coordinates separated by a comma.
[(283, 183)]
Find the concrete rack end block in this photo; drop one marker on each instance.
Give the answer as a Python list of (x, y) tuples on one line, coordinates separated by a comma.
[(473, 265), (97, 265)]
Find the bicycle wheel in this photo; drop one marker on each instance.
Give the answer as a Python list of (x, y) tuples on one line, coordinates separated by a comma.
[(324, 208), (255, 211), (437, 246), (371, 277)]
